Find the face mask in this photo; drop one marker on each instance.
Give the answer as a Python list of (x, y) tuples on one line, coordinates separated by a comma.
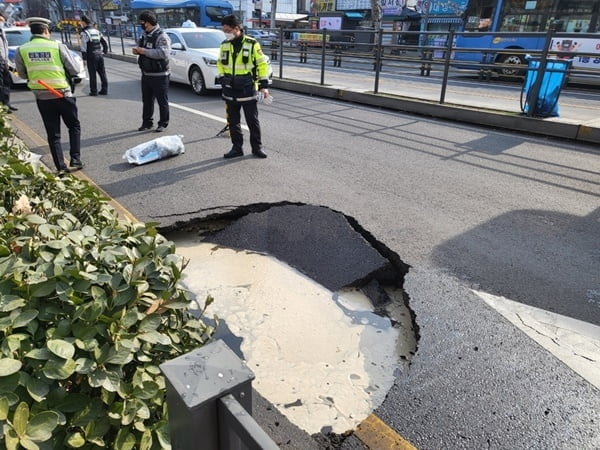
[(229, 36)]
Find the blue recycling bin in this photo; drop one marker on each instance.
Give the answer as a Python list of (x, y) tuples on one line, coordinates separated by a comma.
[(554, 77)]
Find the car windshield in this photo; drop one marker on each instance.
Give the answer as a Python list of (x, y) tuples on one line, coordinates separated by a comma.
[(207, 39), (17, 37)]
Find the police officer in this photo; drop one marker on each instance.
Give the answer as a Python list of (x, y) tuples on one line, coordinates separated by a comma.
[(5, 78), (45, 61), (93, 47), (154, 50), (242, 68)]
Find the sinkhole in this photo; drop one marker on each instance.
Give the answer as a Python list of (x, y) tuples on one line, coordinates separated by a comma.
[(310, 300)]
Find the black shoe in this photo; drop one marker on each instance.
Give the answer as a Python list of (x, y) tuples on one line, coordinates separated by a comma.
[(93, 94), (259, 153), (160, 129), (76, 164), (102, 93), (233, 153), (62, 172), (12, 108), (145, 127)]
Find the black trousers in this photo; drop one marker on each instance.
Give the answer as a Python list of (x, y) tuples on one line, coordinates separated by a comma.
[(155, 88), (233, 110), (5, 82), (52, 112), (95, 64)]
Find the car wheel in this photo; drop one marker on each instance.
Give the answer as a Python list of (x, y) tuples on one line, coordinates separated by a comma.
[(511, 59), (197, 81)]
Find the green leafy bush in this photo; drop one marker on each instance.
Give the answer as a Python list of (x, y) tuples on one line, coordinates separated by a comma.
[(89, 308)]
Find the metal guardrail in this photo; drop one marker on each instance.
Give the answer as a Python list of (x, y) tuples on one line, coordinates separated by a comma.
[(209, 397)]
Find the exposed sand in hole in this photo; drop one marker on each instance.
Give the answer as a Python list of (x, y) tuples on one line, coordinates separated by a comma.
[(322, 358)]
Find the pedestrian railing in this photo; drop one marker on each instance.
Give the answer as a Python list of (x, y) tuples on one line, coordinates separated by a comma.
[(388, 55)]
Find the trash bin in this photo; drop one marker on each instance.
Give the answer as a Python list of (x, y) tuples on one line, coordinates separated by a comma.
[(553, 79)]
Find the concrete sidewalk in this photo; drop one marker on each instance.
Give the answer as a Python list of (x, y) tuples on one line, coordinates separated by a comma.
[(464, 106)]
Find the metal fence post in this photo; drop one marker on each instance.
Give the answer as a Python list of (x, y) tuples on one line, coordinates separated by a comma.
[(323, 52), (378, 58), (447, 58), (195, 384)]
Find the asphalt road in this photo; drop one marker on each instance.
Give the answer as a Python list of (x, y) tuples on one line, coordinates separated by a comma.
[(466, 207)]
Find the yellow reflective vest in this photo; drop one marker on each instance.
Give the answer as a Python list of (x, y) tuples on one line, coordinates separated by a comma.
[(41, 57), (248, 62)]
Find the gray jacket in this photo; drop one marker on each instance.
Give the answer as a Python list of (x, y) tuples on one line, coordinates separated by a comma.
[(3, 46)]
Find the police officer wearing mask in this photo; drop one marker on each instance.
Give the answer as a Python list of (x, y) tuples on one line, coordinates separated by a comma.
[(153, 58), (5, 78), (93, 47), (242, 69), (45, 61)]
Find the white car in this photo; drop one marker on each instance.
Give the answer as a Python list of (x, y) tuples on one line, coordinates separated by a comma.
[(194, 53), (17, 36)]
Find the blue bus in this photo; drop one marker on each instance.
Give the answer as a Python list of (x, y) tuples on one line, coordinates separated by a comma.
[(173, 13), (504, 25)]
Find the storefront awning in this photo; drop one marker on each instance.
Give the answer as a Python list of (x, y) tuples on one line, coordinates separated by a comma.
[(289, 17), (354, 15), (444, 20)]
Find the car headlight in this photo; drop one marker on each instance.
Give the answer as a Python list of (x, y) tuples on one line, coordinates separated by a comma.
[(209, 61)]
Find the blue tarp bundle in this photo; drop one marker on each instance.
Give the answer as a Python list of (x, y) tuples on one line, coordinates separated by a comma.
[(546, 104)]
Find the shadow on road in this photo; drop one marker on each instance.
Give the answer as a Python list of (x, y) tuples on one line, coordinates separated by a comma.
[(550, 260)]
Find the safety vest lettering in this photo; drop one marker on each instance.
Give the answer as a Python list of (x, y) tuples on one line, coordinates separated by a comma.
[(39, 56)]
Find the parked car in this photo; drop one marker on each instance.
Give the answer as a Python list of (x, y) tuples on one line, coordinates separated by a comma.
[(265, 38), (17, 36), (194, 53)]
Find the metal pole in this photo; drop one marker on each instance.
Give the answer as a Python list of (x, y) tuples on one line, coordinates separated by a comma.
[(281, 51), (323, 43), (446, 66), (378, 53)]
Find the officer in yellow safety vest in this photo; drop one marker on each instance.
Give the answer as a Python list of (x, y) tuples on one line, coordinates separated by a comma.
[(47, 66), (242, 68)]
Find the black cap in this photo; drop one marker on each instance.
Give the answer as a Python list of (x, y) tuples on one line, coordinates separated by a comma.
[(148, 16), (231, 21), (86, 19)]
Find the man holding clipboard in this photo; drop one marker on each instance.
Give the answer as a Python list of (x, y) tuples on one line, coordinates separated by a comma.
[(47, 66)]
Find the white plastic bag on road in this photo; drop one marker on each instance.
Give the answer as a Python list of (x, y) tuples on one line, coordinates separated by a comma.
[(158, 148)]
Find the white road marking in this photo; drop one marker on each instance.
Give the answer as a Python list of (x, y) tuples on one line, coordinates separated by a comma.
[(203, 114), (574, 342)]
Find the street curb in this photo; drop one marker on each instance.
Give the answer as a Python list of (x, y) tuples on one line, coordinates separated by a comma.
[(496, 119)]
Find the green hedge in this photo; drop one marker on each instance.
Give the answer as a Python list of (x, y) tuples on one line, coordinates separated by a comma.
[(90, 305)]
